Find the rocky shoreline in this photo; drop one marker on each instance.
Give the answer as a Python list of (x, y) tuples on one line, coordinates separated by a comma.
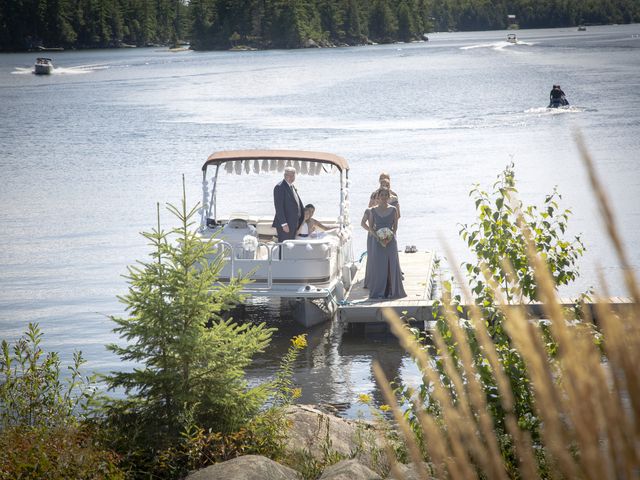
[(350, 449)]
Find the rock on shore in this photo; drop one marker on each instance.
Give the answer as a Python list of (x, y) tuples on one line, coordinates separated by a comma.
[(317, 435), (248, 467)]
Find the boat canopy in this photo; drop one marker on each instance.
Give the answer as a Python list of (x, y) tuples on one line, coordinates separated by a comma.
[(264, 161)]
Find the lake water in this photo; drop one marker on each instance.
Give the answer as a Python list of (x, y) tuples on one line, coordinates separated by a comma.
[(87, 152)]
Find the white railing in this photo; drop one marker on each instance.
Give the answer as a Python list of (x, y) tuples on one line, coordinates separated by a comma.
[(227, 247)]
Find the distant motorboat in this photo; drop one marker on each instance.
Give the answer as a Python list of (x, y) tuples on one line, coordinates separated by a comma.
[(582, 28), (511, 38), (43, 66)]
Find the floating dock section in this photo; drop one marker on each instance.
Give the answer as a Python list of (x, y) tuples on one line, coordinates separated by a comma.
[(417, 306), (418, 270)]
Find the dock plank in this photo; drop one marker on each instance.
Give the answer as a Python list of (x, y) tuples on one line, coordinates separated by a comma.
[(418, 283)]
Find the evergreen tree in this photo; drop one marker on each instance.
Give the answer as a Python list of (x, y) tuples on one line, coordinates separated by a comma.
[(203, 15), (351, 25), (382, 22), (190, 361), (329, 18), (287, 28), (279, 23), (405, 23)]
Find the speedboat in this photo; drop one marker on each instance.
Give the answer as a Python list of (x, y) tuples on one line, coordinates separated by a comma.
[(582, 28), (43, 66), (511, 38), (310, 273)]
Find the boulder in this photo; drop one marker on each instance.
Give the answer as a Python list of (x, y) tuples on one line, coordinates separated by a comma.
[(248, 467), (315, 433), (408, 472), (349, 470)]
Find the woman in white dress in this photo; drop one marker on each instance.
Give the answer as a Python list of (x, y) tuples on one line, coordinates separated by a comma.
[(310, 225)]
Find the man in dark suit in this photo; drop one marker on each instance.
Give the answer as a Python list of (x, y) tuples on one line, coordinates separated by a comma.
[(289, 207)]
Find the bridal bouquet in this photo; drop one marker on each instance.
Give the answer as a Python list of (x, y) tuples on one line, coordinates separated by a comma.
[(385, 235)]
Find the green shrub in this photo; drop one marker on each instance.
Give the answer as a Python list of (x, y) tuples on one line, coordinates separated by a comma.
[(191, 360), (198, 446), (43, 433), (32, 392), (188, 403), (59, 453), (264, 434), (459, 353), (497, 237)]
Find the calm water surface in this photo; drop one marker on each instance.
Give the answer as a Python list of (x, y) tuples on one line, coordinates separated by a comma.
[(87, 152)]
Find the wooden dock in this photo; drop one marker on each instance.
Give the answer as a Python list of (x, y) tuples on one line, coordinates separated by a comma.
[(420, 285), (418, 269)]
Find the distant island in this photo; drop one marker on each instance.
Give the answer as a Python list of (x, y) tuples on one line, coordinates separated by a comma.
[(265, 24)]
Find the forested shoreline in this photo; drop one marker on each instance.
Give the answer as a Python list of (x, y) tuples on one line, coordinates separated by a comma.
[(223, 24)]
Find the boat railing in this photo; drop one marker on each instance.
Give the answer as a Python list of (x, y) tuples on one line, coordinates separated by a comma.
[(233, 259)]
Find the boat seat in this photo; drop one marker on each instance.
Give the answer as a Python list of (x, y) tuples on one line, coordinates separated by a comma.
[(234, 233), (300, 251), (309, 249), (265, 230), (237, 223)]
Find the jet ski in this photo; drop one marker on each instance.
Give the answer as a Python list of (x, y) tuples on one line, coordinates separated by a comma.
[(558, 102)]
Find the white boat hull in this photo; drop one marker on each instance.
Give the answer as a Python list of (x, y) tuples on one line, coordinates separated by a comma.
[(43, 67), (310, 272)]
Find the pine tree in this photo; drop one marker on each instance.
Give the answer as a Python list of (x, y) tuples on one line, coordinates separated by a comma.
[(405, 23), (351, 25), (190, 361), (382, 22)]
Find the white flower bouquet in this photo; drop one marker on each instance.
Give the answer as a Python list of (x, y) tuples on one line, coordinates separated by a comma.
[(385, 235), (249, 243)]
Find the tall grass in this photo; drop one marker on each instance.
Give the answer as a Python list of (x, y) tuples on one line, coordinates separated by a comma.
[(586, 392)]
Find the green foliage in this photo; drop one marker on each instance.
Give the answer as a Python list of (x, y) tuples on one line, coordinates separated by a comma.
[(190, 359), (264, 434), (382, 22), (32, 393), (210, 24), (57, 453), (198, 446), (42, 434), (282, 389), (187, 402), (494, 238)]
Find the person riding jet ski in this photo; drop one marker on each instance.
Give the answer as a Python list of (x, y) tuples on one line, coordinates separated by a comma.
[(557, 97)]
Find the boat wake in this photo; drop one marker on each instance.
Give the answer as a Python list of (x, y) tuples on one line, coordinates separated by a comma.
[(22, 71), (501, 45), (556, 111), (75, 70), (80, 69)]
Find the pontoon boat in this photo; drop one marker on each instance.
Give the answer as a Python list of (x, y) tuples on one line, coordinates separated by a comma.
[(313, 273)]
